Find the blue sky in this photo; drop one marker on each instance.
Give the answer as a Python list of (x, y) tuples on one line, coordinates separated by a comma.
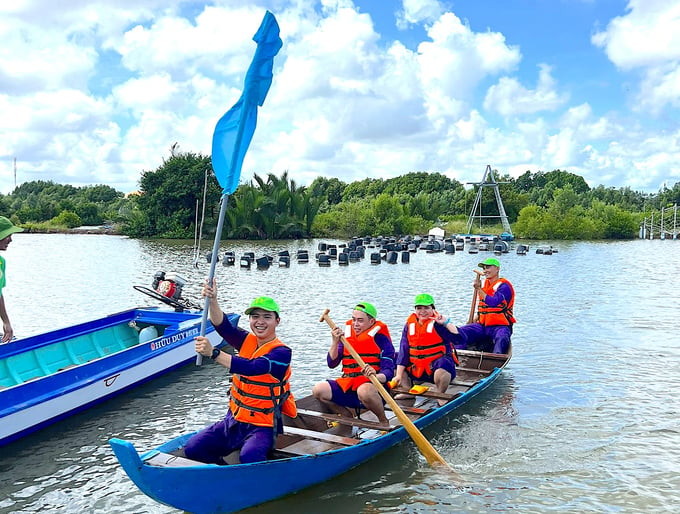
[(96, 92)]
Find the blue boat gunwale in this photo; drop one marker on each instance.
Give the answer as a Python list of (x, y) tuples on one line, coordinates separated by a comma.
[(151, 315)]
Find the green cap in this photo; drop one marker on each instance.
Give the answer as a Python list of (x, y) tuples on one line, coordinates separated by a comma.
[(490, 262), (265, 303), (368, 308), (7, 228), (423, 299)]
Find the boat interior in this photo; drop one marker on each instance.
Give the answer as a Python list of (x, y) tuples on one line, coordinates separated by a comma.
[(72, 348), (318, 429)]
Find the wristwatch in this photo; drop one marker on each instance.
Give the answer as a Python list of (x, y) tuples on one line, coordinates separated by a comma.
[(215, 353)]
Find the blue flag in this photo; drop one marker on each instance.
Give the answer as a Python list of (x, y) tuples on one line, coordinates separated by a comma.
[(235, 129)]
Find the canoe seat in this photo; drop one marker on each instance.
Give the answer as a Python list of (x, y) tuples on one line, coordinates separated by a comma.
[(474, 370), (166, 460), (320, 436), (356, 422), (126, 335), (429, 394), (116, 338)]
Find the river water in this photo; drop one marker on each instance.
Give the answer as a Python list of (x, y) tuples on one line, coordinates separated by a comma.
[(583, 419)]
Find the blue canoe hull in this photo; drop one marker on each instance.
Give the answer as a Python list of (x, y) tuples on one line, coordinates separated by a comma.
[(208, 488), (49, 376)]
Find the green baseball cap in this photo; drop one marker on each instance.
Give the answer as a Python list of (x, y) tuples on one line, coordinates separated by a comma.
[(265, 303), (423, 299), (368, 308), (490, 262), (8, 228)]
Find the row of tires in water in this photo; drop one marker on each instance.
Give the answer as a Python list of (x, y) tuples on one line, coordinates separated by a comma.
[(390, 251)]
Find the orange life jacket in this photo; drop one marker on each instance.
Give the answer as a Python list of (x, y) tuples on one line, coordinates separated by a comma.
[(424, 345), (256, 399), (502, 313), (364, 344)]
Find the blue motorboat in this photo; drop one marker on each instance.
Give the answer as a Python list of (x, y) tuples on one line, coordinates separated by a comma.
[(49, 376)]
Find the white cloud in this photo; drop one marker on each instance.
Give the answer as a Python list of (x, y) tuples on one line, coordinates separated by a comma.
[(97, 91), (455, 61), (646, 39), (418, 11), (510, 98)]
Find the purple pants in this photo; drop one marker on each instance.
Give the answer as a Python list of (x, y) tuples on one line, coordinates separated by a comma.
[(492, 338), (221, 438)]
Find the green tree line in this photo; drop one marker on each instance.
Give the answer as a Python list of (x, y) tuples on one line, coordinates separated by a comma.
[(182, 194)]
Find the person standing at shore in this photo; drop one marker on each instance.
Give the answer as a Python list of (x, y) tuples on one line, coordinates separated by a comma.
[(7, 228)]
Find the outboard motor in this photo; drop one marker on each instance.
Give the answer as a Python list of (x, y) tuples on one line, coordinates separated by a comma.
[(167, 288), (169, 285)]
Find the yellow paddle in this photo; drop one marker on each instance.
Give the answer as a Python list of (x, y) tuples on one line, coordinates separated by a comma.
[(428, 451)]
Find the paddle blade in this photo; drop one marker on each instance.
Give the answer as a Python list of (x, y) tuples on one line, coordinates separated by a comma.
[(235, 129)]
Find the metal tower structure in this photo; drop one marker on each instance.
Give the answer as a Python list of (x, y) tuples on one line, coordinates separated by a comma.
[(489, 180)]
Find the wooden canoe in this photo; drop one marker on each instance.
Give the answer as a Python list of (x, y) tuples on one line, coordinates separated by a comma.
[(315, 447)]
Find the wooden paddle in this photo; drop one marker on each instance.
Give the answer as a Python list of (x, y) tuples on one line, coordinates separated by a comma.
[(428, 451), (471, 317)]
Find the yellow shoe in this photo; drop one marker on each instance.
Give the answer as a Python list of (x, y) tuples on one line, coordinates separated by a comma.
[(418, 389), (392, 383)]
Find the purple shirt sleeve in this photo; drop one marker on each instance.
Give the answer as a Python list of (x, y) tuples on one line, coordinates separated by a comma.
[(403, 355), (502, 293), (233, 335), (333, 363), (387, 356)]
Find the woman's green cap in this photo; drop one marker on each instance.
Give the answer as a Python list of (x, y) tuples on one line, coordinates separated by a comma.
[(490, 262), (423, 299), (8, 228), (265, 303), (368, 308)]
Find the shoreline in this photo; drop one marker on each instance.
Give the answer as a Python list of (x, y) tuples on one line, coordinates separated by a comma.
[(106, 229)]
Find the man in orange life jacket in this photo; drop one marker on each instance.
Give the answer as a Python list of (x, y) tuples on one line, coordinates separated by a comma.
[(493, 329), (371, 339), (260, 389), (426, 350)]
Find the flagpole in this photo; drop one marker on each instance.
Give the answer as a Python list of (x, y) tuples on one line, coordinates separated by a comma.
[(213, 264)]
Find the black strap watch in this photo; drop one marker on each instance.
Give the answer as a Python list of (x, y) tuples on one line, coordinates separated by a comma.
[(215, 353)]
